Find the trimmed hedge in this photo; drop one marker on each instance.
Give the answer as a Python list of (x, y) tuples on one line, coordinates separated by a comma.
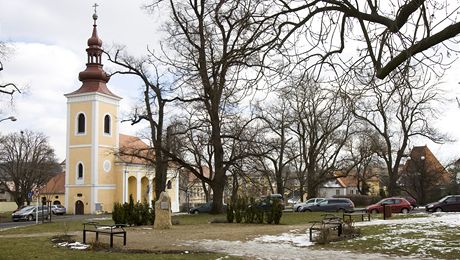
[(133, 214), (251, 212)]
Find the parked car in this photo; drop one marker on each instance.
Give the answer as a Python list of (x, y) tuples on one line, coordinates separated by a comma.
[(267, 202), (448, 203), (58, 209), (333, 204), (204, 208), (30, 213), (293, 200), (299, 206), (412, 201), (398, 205), (19, 208)]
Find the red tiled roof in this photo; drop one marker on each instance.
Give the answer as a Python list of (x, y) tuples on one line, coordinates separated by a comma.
[(131, 148), (55, 185)]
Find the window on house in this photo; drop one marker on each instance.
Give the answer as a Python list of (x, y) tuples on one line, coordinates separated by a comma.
[(81, 124), (337, 192), (80, 171), (107, 124)]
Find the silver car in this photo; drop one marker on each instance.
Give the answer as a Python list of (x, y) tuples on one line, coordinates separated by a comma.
[(58, 209), (30, 213), (299, 206)]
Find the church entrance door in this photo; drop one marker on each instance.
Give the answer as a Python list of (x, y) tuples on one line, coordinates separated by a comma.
[(79, 208)]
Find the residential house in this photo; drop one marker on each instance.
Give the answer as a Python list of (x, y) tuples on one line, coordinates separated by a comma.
[(423, 176)]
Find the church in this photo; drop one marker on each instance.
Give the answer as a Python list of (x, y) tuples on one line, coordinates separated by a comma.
[(95, 177)]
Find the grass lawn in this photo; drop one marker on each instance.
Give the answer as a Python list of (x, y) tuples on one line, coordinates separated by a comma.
[(5, 216), (401, 240), (383, 239), (425, 240)]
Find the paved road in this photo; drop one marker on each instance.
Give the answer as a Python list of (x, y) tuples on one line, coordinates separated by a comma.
[(11, 224)]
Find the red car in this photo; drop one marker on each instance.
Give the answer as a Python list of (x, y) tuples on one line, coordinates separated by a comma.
[(398, 205)]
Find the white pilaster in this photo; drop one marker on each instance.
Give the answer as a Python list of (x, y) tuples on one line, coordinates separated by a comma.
[(94, 154), (125, 185), (67, 154), (138, 188)]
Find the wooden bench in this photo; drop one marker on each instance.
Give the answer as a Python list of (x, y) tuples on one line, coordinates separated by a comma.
[(352, 214), (330, 222), (117, 230)]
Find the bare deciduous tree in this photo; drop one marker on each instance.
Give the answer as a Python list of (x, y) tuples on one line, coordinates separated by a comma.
[(214, 45), (322, 125), (279, 142), (155, 98), (8, 87), (385, 33), (398, 110), (361, 157), (26, 160)]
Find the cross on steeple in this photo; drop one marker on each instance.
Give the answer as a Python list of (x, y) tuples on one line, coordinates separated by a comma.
[(95, 8)]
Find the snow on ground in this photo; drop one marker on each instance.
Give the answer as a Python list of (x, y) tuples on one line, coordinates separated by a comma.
[(295, 244), (74, 245), (435, 219)]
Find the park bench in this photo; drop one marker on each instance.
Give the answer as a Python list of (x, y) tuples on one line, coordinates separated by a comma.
[(329, 222), (117, 230), (349, 216)]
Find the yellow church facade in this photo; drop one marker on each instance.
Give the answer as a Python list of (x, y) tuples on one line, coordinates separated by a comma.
[(95, 176)]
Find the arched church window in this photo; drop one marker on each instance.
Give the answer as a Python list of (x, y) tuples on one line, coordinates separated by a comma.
[(80, 171), (169, 185), (107, 124), (81, 123)]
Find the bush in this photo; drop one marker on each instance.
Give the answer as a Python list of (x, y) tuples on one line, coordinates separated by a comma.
[(250, 211), (258, 215), (269, 217), (277, 212), (230, 214), (240, 209), (133, 214), (118, 214)]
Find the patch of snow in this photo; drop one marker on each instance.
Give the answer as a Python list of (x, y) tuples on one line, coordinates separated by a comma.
[(295, 244), (446, 219), (260, 250), (103, 218), (75, 245), (300, 240)]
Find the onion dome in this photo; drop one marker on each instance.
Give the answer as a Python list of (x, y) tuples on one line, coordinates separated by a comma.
[(94, 77)]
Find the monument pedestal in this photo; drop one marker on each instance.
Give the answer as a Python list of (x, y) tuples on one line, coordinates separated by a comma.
[(163, 212)]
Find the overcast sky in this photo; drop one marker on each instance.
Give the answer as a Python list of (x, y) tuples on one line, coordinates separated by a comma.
[(49, 40)]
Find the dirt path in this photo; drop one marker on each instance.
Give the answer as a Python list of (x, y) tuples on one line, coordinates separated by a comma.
[(246, 240)]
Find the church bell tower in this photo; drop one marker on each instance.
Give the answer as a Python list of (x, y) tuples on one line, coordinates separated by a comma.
[(92, 137)]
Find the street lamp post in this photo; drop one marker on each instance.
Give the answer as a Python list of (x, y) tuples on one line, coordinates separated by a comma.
[(12, 118)]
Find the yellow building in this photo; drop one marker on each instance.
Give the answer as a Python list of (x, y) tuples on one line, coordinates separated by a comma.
[(95, 177)]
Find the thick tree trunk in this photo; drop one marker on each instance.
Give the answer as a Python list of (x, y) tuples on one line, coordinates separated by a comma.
[(392, 185), (279, 186), (301, 192), (312, 188), (217, 197)]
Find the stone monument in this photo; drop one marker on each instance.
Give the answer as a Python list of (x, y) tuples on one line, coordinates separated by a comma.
[(163, 212)]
